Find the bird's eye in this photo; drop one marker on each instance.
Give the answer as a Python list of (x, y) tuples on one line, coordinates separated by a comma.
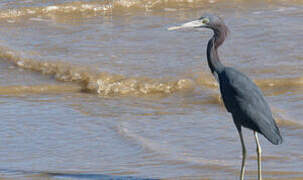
[(205, 21)]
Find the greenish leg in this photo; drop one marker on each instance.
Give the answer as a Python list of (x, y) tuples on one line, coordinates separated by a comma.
[(259, 155), (243, 155)]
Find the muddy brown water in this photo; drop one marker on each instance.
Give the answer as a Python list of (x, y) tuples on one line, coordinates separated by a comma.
[(101, 89)]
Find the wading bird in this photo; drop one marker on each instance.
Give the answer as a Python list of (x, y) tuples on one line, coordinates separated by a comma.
[(242, 98)]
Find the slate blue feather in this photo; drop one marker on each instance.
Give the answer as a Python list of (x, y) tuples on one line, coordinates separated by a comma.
[(241, 96), (245, 101)]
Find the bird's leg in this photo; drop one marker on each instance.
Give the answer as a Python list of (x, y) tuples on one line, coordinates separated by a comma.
[(243, 154), (259, 155)]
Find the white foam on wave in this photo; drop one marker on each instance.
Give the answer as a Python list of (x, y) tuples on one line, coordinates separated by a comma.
[(39, 19), (51, 8)]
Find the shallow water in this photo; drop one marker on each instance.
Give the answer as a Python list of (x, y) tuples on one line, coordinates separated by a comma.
[(101, 89)]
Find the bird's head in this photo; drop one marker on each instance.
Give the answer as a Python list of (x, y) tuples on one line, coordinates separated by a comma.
[(206, 21)]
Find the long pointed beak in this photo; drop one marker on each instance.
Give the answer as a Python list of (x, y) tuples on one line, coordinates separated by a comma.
[(192, 24)]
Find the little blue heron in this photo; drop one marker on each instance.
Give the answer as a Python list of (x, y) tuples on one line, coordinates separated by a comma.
[(241, 96)]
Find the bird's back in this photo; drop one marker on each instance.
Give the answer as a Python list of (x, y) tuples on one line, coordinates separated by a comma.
[(247, 104)]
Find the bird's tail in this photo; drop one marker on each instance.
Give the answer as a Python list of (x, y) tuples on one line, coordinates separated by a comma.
[(273, 135)]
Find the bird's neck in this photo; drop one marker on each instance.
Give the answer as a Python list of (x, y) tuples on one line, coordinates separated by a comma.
[(213, 59)]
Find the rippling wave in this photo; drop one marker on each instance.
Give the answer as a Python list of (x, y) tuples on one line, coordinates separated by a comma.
[(92, 81), (109, 84), (93, 7), (205, 79), (12, 174), (38, 89), (166, 150), (100, 7)]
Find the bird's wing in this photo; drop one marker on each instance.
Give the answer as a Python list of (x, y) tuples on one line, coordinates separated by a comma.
[(242, 97), (238, 89)]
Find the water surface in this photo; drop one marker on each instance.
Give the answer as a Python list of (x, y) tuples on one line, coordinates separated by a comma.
[(101, 89)]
